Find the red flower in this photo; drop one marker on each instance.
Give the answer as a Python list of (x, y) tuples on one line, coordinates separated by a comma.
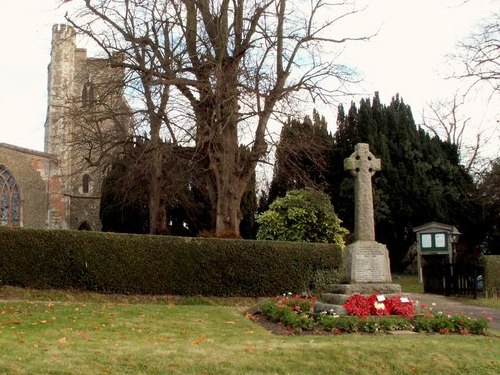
[(401, 307), (361, 306), (357, 305)]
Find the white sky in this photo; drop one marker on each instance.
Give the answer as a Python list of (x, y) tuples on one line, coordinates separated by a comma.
[(405, 57)]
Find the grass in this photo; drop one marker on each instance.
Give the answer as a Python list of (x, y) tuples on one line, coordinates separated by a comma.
[(49, 332), (409, 283)]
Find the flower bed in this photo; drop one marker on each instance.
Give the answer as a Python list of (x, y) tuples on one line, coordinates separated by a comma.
[(294, 314)]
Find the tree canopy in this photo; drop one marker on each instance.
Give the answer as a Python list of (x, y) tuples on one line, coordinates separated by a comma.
[(213, 73), (124, 198), (488, 195), (302, 156)]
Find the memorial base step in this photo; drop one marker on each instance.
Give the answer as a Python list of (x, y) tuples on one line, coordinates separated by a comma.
[(366, 288), (333, 302), (329, 308)]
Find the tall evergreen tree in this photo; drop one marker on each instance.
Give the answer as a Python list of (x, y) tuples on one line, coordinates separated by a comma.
[(302, 158)]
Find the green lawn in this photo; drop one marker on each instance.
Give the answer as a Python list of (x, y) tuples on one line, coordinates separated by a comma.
[(409, 283), (95, 334)]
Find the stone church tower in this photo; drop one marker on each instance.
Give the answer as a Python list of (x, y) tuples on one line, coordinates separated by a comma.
[(87, 116), (87, 121)]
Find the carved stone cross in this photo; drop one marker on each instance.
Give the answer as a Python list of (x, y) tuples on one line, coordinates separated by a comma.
[(363, 164)]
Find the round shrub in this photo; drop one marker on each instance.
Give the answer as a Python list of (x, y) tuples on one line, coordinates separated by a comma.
[(303, 215)]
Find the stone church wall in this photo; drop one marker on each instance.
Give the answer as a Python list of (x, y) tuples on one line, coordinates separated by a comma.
[(86, 112), (37, 176), (85, 213)]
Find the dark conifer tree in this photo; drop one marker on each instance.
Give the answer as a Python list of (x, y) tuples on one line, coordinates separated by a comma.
[(125, 210), (489, 198), (302, 156)]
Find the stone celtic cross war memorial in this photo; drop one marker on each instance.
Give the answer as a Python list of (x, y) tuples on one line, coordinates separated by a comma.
[(366, 261), (366, 268)]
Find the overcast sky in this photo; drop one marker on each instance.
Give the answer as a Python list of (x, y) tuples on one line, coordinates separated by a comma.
[(405, 57)]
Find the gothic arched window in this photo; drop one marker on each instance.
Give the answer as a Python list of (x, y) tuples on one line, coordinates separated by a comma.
[(85, 183), (88, 98), (10, 199)]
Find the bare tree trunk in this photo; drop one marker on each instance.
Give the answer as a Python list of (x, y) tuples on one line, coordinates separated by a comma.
[(157, 215), (157, 205), (230, 184)]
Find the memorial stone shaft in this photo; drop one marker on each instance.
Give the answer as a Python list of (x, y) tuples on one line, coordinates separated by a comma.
[(362, 164)]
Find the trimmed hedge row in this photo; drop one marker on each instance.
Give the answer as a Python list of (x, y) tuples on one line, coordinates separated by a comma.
[(491, 264), (141, 264)]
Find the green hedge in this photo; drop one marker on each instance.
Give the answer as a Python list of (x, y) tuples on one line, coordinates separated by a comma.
[(491, 264), (141, 264)]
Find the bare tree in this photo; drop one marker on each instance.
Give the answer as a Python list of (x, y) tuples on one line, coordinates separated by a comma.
[(148, 99), (478, 58), (222, 67), (446, 122), (479, 55)]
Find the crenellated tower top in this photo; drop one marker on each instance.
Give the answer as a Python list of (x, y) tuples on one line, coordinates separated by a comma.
[(62, 31)]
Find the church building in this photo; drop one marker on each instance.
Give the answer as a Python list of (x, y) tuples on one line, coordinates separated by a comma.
[(86, 114)]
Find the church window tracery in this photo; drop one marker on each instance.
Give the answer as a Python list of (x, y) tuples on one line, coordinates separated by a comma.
[(10, 199)]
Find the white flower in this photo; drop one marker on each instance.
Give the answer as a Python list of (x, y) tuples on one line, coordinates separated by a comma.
[(379, 305)]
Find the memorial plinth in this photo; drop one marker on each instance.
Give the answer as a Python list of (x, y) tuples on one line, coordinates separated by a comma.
[(367, 270), (366, 262)]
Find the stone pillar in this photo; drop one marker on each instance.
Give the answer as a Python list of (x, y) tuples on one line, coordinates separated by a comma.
[(363, 165)]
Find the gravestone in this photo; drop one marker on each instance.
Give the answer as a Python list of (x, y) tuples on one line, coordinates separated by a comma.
[(366, 261)]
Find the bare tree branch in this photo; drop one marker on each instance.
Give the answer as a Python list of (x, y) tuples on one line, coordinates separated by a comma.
[(225, 66)]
